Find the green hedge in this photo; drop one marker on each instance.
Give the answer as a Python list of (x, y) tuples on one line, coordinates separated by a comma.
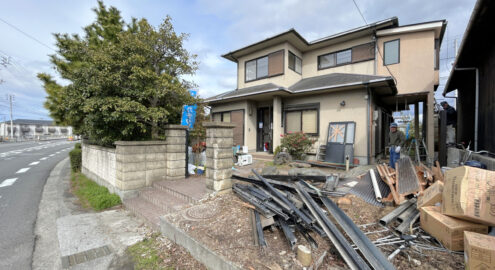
[(75, 159), (77, 146)]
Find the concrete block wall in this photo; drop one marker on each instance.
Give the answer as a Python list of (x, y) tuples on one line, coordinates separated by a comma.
[(175, 137), (139, 164), (99, 163), (219, 142)]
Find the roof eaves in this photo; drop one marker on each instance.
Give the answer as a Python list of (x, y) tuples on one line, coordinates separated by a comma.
[(393, 20), (343, 85), (251, 93)]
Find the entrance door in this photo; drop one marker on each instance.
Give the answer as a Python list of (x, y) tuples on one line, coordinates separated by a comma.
[(264, 130), (340, 142)]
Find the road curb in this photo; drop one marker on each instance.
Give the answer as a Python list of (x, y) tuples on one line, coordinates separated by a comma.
[(46, 253)]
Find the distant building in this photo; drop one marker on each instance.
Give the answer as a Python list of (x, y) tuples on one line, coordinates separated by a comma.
[(27, 129)]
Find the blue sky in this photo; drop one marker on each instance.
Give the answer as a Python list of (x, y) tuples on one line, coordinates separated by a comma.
[(215, 27)]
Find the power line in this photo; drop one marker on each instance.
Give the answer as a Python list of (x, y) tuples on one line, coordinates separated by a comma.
[(379, 52), (26, 34)]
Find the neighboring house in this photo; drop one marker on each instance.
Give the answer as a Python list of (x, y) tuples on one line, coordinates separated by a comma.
[(34, 129), (287, 84), (476, 96)]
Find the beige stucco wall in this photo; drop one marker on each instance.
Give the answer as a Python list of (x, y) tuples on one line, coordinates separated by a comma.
[(415, 71), (249, 119), (287, 79), (310, 60), (331, 111)]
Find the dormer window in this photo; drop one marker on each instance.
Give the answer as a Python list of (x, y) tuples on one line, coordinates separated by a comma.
[(265, 66)]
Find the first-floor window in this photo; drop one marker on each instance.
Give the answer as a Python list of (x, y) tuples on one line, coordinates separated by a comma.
[(221, 117), (302, 120)]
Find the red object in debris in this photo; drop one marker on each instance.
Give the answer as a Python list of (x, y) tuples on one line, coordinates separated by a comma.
[(266, 146), (356, 161)]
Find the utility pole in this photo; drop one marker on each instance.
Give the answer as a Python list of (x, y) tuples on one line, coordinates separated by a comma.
[(11, 121)]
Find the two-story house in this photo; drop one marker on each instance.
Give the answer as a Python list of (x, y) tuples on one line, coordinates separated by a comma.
[(354, 80)]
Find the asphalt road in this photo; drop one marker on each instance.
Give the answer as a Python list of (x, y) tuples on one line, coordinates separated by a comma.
[(24, 168)]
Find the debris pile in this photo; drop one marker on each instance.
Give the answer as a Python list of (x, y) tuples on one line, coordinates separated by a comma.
[(294, 207)]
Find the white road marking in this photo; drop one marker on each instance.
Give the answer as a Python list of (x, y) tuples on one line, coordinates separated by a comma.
[(8, 182), (51, 155), (43, 158), (23, 170), (34, 163)]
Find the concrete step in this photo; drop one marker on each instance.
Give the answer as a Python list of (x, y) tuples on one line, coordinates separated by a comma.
[(146, 210), (162, 199), (191, 189)]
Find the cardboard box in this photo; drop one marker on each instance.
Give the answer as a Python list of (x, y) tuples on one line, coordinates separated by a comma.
[(447, 230), (431, 195), (469, 193), (479, 251)]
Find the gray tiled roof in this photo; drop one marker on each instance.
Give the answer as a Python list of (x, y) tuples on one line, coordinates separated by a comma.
[(247, 91), (31, 122), (333, 80)]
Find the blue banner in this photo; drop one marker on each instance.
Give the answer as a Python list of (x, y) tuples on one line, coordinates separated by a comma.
[(189, 112)]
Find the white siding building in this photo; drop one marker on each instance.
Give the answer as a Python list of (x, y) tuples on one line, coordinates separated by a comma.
[(26, 129)]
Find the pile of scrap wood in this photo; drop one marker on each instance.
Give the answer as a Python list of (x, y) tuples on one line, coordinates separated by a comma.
[(408, 180), (296, 207)]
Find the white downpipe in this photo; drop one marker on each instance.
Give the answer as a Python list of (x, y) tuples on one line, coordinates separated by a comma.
[(378, 194)]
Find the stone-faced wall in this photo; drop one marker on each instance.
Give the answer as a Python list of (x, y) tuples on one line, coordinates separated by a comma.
[(219, 162), (137, 164)]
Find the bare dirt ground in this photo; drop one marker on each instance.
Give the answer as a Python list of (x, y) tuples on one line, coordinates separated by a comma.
[(223, 224)]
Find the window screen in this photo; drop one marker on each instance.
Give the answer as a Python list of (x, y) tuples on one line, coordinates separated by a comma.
[(251, 70), (391, 52), (262, 67), (293, 123), (344, 57), (309, 121)]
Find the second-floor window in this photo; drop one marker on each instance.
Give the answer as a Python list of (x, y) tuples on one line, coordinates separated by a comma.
[(265, 66), (295, 63), (335, 59), (359, 53), (391, 52)]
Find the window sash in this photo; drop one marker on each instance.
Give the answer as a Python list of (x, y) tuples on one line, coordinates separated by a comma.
[(226, 117), (217, 117), (262, 67), (310, 121), (293, 121), (344, 57), (298, 65), (391, 52), (251, 70), (327, 60)]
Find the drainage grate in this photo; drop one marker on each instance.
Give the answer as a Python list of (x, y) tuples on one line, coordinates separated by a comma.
[(85, 256), (364, 189)]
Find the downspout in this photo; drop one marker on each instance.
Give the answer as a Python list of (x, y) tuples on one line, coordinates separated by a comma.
[(476, 103), (368, 126)]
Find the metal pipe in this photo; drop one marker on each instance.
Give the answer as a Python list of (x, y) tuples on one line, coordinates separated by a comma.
[(404, 226), (350, 256), (476, 103), (378, 194), (397, 211), (370, 252), (368, 125), (404, 215)]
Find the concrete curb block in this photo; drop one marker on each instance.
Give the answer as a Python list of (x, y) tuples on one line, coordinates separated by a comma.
[(199, 251)]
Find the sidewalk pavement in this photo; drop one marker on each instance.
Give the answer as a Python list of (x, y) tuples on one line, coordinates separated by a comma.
[(69, 237)]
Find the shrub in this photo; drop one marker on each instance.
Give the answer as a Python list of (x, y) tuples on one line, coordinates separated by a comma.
[(76, 159), (77, 146), (297, 144), (93, 195)]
